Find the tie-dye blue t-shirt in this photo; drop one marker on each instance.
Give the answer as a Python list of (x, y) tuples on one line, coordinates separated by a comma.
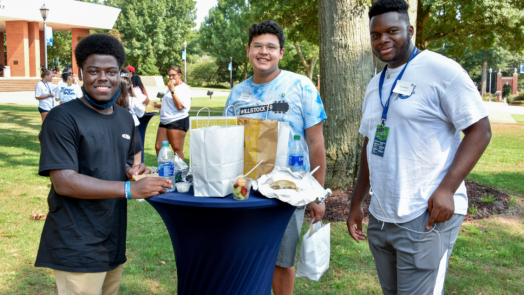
[(290, 98)]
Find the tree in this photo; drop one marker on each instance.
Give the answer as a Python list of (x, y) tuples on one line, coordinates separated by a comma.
[(61, 50), (203, 70), (470, 25), (346, 67), (153, 32), (224, 33)]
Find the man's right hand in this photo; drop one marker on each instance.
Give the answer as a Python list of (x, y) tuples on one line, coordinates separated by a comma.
[(149, 186), (354, 223)]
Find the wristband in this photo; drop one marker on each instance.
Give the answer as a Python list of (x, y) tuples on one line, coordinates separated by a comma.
[(127, 190)]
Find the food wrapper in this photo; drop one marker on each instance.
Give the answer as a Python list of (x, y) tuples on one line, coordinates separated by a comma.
[(309, 190)]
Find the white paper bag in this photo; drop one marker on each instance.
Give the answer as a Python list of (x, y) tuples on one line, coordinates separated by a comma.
[(315, 252), (217, 156)]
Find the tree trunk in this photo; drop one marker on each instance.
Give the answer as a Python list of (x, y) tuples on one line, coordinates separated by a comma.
[(484, 75), (312, 68), (346, 67), (422, 16), (309, 68), (245, 70)]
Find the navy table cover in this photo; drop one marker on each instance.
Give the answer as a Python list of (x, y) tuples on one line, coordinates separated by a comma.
[(142, 129), (224, 246)]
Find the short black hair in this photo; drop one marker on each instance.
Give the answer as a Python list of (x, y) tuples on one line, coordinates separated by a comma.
[(384, 6), (267, 27), (99, 44)]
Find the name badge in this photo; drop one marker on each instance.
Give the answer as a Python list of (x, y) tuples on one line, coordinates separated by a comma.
[(379, 144), (404, 87), (245, 96)]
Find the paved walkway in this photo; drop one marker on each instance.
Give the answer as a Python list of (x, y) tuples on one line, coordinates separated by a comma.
[(28, 97), (498, 112)]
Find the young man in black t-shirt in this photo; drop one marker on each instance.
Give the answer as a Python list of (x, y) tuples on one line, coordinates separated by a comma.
[(87, 150)]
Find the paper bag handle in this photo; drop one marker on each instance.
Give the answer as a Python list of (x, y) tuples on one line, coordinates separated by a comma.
[(234, 112), (208, 115), (311, 226)]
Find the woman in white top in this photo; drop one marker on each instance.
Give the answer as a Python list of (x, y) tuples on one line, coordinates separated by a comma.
[(67, 90), (174, 113), (44, 92), (136, 104)]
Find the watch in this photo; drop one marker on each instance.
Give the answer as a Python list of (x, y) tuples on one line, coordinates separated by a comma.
[(172, 92)]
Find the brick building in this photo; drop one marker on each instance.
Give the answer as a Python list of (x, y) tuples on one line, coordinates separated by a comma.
[(22, 26)]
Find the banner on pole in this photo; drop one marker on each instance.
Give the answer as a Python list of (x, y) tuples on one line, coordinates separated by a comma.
[(229, 66), (183, 55), (49, 36), (522, 68)]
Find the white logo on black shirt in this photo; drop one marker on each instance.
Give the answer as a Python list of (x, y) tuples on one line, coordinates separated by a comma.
[(126, 136)]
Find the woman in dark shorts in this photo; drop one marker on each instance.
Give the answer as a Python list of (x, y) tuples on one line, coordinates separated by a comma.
[(174, 113), (44, 93)]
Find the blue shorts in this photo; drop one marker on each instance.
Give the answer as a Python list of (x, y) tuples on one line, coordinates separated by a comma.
[(41, 110)]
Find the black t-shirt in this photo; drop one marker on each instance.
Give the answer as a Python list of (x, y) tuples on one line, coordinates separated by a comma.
[(85, 235)]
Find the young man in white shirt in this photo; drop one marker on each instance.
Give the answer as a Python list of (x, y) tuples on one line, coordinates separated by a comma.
[(299, 102), (413, 157)]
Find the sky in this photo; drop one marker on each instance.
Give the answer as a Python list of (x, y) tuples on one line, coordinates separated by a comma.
[(203, 7)]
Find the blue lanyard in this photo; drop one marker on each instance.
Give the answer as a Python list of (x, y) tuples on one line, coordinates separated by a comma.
[(381, 83), (47, 86)]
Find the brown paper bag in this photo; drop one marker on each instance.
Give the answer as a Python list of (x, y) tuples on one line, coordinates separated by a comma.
[(260, 143)]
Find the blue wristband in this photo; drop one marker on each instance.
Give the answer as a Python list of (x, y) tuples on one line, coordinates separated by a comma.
[(127, 190)]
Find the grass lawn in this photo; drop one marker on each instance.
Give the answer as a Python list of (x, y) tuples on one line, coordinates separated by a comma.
[(518, 118), (488, 257)]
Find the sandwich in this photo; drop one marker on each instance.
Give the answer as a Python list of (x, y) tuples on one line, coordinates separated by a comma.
[(283, 184)]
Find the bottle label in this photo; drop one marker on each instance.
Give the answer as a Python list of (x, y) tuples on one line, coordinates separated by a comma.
[(166, 169), (296, 160)]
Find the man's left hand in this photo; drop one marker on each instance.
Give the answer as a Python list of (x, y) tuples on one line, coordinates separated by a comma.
[(441, 205), (317, 211), (137, 170)]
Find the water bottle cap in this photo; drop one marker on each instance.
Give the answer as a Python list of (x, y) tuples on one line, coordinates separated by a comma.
[(165, 143), (296, 137)]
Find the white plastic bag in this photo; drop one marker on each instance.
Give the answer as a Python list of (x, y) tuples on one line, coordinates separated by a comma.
[(315, 252)]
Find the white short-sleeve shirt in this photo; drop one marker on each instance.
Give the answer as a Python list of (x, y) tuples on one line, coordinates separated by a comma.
[(168, 112), (45, 89), (424, 135)]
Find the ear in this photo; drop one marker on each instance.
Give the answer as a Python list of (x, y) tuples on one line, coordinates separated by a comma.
[(411, 30), (247, 50), (282, 53)]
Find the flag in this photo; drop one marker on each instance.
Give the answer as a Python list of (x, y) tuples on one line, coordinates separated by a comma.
[(49, 36), (183, 55), (229, 66), (522, 68)]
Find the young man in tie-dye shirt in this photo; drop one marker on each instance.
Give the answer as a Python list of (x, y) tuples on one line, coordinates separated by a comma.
[(289, 97)]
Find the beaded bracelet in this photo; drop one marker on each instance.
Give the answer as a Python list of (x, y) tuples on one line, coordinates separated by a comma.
[(127, 190)]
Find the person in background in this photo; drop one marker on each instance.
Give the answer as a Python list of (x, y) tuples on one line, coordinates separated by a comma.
[(70, 91), (62, 84), (174, 113), (136, 104), (137, 82), (44, 93)]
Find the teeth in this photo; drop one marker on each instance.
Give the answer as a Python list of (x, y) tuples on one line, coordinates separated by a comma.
[(263, 60), (102, 87)]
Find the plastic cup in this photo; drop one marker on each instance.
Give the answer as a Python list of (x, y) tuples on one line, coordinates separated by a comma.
[(237, 194)]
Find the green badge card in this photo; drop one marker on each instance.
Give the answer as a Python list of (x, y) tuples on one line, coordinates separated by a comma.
[(381, 136)]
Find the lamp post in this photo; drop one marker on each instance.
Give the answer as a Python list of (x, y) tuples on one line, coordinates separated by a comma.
[(185, 61), (45, 12), (231, 73), (490, 71)]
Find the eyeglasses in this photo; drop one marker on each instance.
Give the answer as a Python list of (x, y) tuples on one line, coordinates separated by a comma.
[(257, 47), (171, 76)]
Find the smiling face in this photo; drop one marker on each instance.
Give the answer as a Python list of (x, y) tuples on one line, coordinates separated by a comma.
[(259, 53), (391, 38), (101, 76)]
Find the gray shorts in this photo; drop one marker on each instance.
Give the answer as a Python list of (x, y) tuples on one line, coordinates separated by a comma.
[(409, 262), (287, 255)]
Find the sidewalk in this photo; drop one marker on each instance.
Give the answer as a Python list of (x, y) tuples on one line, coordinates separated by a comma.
[(28, 97)]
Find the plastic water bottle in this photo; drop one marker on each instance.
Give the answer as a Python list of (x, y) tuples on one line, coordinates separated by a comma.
[(295, 156), (166, 164)]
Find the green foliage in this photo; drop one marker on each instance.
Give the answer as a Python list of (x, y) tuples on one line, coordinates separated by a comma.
[(153, 33), (224, 32), (487, 199), (61, 50), (471, 25), (513, 202), (203, 70), (472, 210)]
